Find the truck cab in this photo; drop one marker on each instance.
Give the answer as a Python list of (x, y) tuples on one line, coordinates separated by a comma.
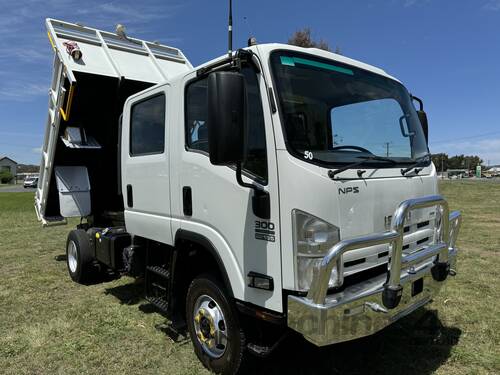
[(278, 188)]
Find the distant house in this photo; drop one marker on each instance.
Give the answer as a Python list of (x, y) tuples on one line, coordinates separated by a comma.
[(9, 165), (493, 171), (457, 173)]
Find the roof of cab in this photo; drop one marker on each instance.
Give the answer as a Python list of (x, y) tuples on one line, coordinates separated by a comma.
[(269, 47)]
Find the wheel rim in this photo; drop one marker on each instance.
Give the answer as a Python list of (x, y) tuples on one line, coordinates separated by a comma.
[(210, 326), (72, 256)]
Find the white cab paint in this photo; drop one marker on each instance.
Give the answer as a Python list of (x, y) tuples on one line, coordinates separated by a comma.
[(149, 177), (222, 210)]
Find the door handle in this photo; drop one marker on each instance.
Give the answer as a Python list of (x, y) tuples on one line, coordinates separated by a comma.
[(187, 201), (130, 196)]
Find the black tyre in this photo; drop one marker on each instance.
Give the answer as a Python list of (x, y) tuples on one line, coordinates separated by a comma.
[(214, 327), (79, 258)]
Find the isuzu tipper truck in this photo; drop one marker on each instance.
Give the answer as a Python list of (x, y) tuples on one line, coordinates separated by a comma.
[(271, 190)]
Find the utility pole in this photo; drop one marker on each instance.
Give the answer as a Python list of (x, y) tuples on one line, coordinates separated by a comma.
[(442, 167), (387, 148)]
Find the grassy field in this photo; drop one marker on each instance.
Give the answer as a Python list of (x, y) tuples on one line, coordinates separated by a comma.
[(50, 325)]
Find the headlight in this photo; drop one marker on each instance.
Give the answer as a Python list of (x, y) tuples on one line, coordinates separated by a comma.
[(313, 238)]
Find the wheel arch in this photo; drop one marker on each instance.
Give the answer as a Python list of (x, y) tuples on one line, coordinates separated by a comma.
[(183, 237)]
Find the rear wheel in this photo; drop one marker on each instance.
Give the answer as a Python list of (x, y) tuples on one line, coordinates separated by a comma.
[(79, 256), (214, 327)]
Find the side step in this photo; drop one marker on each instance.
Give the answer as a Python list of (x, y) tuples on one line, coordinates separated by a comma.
[(157, 285), (158, 302), (160, 271)]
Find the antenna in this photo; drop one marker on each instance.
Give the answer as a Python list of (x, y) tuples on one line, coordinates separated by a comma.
[(230, 30)]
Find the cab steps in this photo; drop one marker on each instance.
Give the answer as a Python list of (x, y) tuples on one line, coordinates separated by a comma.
[(157, 284)]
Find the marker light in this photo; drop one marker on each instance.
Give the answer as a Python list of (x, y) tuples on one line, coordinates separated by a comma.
[(73, 50)]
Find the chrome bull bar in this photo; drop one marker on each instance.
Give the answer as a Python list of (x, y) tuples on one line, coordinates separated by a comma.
[(445, 239)]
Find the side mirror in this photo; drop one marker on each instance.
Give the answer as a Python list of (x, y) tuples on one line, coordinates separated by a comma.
[(422, 116), (227, 129), (226, 117)]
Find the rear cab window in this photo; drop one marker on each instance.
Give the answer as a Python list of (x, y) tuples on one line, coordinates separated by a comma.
[(147, 126)]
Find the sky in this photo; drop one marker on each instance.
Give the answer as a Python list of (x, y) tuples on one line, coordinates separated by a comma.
[(444, 51)]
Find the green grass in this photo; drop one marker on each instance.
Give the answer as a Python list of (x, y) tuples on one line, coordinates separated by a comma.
[(49, 324)]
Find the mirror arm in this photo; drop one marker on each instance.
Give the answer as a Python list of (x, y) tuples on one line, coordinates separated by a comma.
[(261, 204), (422, 117), (402, 126), (222, 64), (240, 179), (420, 101), (233, 63)]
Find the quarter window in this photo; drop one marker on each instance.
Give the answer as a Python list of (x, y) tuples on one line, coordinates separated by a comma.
[(147, 126)]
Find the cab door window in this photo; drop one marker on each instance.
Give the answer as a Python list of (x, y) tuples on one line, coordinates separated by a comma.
[(196, 115), (255, 163)]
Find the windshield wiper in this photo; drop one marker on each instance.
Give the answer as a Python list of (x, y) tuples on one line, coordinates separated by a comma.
[(420, 162), (333, 173)]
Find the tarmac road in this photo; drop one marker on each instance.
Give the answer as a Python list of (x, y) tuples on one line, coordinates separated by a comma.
[(15, 189)]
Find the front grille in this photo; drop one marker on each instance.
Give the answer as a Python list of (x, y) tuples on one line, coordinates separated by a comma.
[(354, 262), (360, 277), (423, 240), (423, 224), (417, 236)]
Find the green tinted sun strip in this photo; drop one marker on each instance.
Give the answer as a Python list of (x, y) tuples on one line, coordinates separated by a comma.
[(291, 61)]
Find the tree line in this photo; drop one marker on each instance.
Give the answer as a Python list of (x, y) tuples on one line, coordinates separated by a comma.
[(444, 162), (303, 38)]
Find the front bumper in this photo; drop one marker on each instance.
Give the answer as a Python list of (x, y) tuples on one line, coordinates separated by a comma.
[(367, 307)]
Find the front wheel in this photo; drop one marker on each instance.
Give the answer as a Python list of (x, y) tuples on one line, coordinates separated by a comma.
[(214, 327)]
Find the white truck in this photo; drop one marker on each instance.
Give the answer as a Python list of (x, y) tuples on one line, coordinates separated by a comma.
[(271, 190)]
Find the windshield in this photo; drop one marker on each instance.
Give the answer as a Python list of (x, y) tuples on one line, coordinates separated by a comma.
[(333, 113)]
